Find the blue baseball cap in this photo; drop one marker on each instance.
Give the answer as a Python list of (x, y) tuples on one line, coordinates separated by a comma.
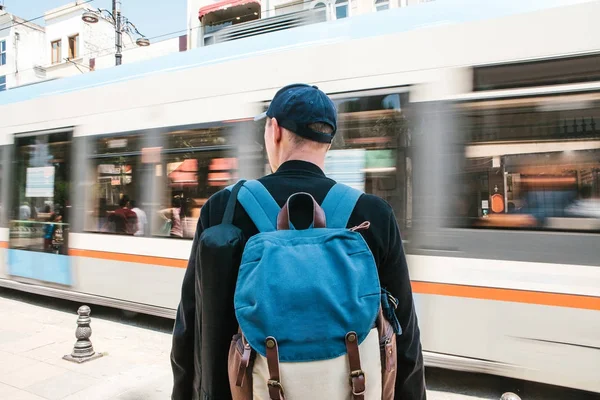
[(297, 106)]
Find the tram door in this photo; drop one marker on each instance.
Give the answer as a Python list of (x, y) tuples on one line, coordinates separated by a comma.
[(39, 217)]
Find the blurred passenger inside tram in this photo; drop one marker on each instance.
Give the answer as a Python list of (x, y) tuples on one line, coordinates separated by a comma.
[(102, 214), (50, 227), (124, 219), (24, 211), (142, 220), (586, 206), (173, 216), (547, 202), (544, 203), (189, 220)]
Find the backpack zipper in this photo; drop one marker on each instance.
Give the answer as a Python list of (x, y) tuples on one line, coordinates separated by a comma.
[(362, 227)]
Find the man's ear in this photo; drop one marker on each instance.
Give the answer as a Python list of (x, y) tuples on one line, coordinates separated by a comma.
[(277, 131)]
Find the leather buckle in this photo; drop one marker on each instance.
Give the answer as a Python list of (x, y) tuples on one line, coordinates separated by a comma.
[(354, 376), (276, 384), (357, 373), (244, 363)]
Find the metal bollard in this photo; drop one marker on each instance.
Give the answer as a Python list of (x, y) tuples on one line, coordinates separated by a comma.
[(83, 350), (509, 396)]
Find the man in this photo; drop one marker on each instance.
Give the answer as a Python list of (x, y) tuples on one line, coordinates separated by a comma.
[(24, 212), (142, 220), (125, 219), (300, 125)]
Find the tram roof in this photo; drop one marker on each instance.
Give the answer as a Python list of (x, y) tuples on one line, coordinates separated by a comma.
[(435, 13)]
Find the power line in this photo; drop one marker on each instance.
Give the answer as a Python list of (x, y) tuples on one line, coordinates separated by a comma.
[(194, 28), (230, 19), (98, 52), (42, 16)]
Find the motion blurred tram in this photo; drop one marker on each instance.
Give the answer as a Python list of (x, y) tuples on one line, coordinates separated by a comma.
[(480, 128)]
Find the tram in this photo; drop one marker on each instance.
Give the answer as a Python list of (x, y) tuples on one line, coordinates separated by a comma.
[(480, 128)]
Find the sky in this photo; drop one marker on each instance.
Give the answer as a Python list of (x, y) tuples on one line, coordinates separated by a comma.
[(152, 17)]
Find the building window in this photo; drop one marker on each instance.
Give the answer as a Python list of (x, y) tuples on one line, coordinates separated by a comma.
[(381, 5), (2, 83), (3, 52), (341, 9), (56, 52), (73, 47), (208, 40), (321, 11)]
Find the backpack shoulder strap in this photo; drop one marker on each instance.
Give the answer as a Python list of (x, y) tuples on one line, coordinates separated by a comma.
[(230, 208), (260, 205), (339, 204)]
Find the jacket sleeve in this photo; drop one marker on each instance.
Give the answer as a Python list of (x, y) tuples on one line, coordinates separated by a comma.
[(410, 376), (184, 340)]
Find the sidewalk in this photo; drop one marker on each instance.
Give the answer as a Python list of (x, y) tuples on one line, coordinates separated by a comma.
[(135, 366), (34, 339)]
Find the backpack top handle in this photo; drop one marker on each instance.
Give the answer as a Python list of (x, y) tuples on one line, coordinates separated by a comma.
[(300, 204)]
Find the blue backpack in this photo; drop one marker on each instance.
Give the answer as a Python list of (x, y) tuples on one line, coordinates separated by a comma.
[(314, 320)]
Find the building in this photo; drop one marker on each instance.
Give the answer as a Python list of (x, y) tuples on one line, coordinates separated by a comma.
[(211, 22), (20, 42), (67, 45), (72, 46), (70, 43)]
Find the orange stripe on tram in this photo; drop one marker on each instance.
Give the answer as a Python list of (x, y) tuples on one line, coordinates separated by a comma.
[(3, 245), (432, 288), (133, 258), (512, 295)]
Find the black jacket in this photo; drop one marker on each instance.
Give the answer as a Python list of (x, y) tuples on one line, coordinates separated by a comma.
[(383, 238)]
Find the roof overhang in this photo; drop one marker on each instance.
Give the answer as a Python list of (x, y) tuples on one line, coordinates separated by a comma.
[(227, 7)]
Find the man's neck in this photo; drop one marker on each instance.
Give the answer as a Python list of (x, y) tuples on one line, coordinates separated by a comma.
[(312, 158)]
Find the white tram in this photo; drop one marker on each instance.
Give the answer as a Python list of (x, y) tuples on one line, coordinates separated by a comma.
[(479, 125)]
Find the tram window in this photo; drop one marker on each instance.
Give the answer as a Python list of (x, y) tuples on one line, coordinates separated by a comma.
[(532, 164), (536, 73), (39, 218), (195, 164), (371, 150), (116, 171)]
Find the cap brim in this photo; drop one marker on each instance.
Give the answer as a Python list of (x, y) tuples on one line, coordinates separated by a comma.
[(260, 117)]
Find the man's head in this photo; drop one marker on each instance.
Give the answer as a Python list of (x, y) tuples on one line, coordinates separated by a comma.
[(301, 123), (124, 201)]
